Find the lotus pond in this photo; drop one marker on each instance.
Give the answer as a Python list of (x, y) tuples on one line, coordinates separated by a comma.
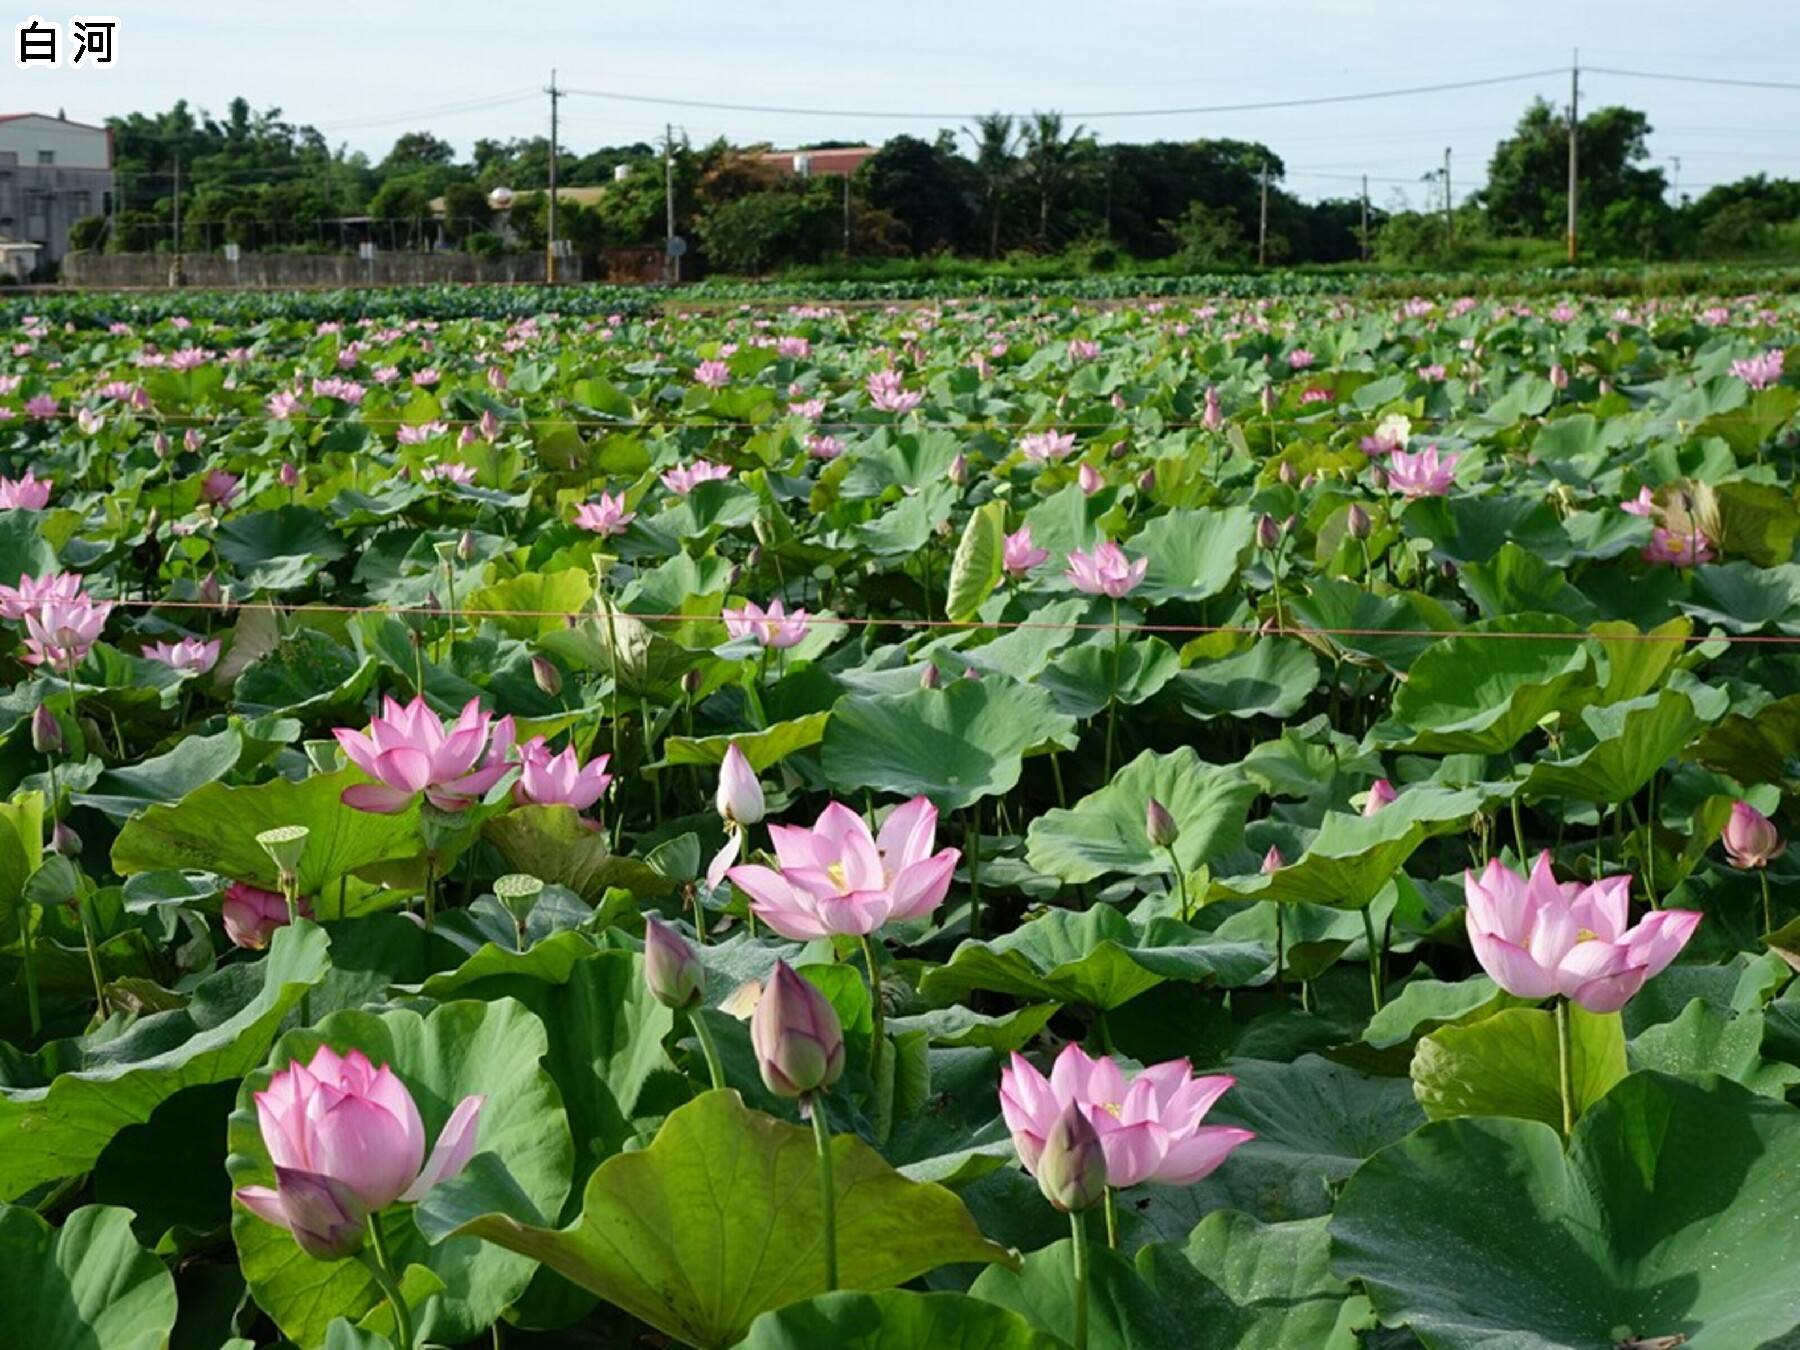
[(990, 825)]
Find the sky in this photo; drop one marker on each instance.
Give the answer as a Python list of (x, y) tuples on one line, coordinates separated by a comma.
[(366, 72)]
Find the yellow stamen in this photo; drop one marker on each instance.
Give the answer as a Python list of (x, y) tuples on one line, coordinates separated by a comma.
[(1112, 1108), (1587, 935), (836, 873)]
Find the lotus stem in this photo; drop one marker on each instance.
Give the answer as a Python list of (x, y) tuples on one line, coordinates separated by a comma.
[(827, 1191), (381, 1266), (1280, 948), (1078, 1265), (1518, 822), (877, 1017), (1112, 1219), (710, 1051), (1768, 904), (974, 843), (1374, 957), (1565, 1068), (1112, 696), (1181, 883), (26, 924)]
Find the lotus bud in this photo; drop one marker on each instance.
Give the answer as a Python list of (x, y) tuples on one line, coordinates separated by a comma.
[(959, 469), (1357, 521), (1751, 839), (1146, 482), (690, 682), (252, 915), (209, 590), (1379, 478), (1380, 795), (1267, 399), (46, 731), (795, 1032), (1089, 479), (931, 677), (1213, 417), (1273, 861), (1309, 482), (734, 576), (672, 971), (1268, 532), (289, 475), (1286, 473), (518, 893), (753, 559), (285, 845), (65, 841), (1071, 1168), (1559, 376), (546, 676), (1159, 825), (161, 445), (465, 547), (192, 439), (740, 796)]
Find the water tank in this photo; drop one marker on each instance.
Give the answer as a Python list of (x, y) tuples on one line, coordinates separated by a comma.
[(621, 172), (500, 199), (803, 166)]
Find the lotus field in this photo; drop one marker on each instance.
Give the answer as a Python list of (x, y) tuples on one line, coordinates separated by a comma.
[(980, 825)]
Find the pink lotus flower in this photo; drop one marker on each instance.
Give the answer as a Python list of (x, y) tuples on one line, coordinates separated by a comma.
[(347, 1141), (409, 751), (773, 627), (1105, 571), (89, 421), (1678, 549), (560, 779), (1644, 504), (605, 517), (1213, 416), (41, 406), (1080, 349), (1042, 446), (1300, 359), (1759, 372), (838, 878), (346, 391), (684, 478), (418, 435), (887, 393), (17, 601), (217, 488), (1089, 480), (713, 374), (24, 494), (1537, 937), (252, 914), (1150, 1125), (1391, 434), (824, 447), (1425, 474), (1017, 555), (794, 348), (191, 653), (1751, 839), (448, 471), (61, 632)]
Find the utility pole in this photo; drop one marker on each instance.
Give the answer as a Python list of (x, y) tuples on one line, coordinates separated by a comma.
[(1262, 221), (177, 273), (669, 197), (550, 243), (1449, 220), (1574, 123), (1365, 218), (1676, 161), (846, 214)]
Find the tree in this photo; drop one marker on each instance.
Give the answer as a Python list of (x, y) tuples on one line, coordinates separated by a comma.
[(1208, 236), (753, 233), (1527, 190), (418, 150), (1052, 162), (925, 186), (466, 210), (994, 140)]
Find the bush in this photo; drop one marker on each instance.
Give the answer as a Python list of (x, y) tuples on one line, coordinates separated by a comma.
[(88, 232), (484, 244)]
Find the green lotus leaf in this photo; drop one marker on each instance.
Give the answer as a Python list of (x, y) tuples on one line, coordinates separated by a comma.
[(1507, 1065), (84, 1286)]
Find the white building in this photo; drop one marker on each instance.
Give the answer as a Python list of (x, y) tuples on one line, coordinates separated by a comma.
[(53, 172)]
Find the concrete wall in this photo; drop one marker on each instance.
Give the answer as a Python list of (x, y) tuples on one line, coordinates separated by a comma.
[(288, 271)]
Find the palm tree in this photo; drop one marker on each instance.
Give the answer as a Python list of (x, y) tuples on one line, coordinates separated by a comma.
[(1052, 161), (993, 137)]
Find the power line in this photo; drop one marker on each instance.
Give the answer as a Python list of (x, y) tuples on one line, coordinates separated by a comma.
[(1313, 102), (1692, 79), (441, 110)]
